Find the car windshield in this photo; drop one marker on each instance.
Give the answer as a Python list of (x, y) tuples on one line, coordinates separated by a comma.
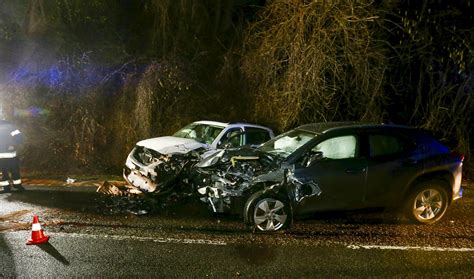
[(285, 144), (203, 133)]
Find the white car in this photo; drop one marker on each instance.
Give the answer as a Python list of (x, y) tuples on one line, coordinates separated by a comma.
[(156, 164)]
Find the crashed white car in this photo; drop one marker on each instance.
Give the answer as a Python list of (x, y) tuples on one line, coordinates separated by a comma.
[(157, 165)]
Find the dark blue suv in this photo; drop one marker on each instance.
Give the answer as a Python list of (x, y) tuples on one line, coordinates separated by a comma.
[(332, 166)]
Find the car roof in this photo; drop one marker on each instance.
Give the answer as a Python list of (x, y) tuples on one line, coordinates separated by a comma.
[(323, 127), (249, 125), (223, 125), (212, 123)]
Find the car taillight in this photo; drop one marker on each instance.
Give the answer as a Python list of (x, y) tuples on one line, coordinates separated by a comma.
[(458, 155)]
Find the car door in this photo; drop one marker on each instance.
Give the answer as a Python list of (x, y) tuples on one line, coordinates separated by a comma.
[(340, 175), (393, 161)]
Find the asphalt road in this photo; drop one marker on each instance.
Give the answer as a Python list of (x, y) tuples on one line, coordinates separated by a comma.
[(95, 236)]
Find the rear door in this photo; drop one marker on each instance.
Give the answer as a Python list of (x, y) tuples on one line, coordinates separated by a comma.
[(340, 175), (393, 162)]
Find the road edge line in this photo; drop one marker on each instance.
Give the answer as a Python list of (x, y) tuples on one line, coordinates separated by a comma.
[(420, 248)]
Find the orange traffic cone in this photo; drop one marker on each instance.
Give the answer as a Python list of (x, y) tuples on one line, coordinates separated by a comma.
[(37, 235)]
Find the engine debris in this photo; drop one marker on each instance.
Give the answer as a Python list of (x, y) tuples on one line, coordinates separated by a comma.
[(115, 189), (230, 174), (153, 172)]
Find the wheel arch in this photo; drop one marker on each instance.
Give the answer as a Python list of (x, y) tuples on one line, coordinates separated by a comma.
[(443, 176)]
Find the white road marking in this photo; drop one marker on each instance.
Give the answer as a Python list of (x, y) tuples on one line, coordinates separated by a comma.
[(223, 243), (139, 238), (427, 248)]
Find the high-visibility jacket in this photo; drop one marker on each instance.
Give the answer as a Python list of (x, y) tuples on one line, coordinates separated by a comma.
[(10, 137)]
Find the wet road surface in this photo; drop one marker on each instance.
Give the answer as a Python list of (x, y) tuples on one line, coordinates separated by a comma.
[(92, 235)]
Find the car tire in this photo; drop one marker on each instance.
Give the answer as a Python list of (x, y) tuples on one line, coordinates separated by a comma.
[(428, 202), (267, 212)]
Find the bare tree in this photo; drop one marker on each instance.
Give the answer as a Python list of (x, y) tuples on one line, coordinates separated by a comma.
[(315, 61)]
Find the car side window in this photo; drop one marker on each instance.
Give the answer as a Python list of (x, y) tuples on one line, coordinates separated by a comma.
[(256, 136), (386, 145), (233, 137), (338, 148)]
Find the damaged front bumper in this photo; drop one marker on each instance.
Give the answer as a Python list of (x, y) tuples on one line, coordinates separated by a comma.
[(136, 175), (153, 172), (227, 186)]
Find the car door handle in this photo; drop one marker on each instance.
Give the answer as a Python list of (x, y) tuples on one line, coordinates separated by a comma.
[(355, 170)]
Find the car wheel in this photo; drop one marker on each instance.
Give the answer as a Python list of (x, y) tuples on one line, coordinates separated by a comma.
[(428, 202), (268, 212)]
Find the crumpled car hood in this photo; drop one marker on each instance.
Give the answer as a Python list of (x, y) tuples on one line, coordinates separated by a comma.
[(235, 170), (171, 145)]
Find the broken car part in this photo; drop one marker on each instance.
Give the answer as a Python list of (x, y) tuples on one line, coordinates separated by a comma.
[(161, 165)]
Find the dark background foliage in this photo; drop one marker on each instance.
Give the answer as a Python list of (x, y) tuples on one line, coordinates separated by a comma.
[(87, 79)]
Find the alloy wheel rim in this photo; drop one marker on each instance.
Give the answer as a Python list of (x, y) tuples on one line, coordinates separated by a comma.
[(269, 214), (428, 204)]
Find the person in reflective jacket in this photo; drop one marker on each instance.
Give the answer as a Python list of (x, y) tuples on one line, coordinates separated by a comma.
[(10, 138)]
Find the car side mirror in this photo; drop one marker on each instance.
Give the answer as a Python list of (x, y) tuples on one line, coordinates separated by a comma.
[(225, 144), (313, 157)]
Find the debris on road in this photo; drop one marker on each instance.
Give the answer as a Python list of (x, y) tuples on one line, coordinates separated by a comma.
[(118, 204), (70, 180), (119, 197), (116, 189), (138, 212)]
